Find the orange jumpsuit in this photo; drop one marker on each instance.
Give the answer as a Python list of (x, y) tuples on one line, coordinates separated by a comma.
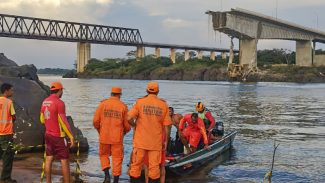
[(194, 131), (152, 115), (110, 120), (7, 112)]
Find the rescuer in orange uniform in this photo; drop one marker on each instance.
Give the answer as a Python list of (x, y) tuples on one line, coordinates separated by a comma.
[(110, 120), (7, 117), (193, 132), (151, 114), (54, 118)]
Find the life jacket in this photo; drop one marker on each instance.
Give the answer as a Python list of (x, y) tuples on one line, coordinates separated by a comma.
[(206, 121), (6, 125)]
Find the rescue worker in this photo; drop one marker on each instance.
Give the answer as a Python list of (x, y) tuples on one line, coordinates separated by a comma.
[(193, 132), (206, 116), (7, 117), (175, 146), (151, 114), (110, 120), (57, 127)]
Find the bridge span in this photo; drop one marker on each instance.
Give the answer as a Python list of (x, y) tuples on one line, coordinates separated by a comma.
[(84, 34), (249, 27)]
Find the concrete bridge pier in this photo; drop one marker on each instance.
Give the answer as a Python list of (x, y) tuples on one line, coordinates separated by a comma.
[(140, 52), (157, 52), (187, 55), (248, 52), (212, 55), (304, 53), (224, 55), (173, 55), (83, 56), (200, 54)]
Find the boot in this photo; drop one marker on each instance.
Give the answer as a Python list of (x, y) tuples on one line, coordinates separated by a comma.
[(116, 178), (154, 180), (107, 176), (135, 180)]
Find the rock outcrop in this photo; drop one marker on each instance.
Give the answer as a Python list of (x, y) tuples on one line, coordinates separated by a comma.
[(29, 92)]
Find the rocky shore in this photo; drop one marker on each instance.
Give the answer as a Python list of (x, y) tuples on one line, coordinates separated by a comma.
[(29, 92)]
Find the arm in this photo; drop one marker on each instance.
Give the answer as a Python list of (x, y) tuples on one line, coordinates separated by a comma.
[(133, 114), (13, 112), (203, 132), (126, 124), (62, 118), (209, 116), (168, 125), (96, 119)]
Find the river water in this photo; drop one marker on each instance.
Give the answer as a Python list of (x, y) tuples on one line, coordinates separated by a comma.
[(292, 114)]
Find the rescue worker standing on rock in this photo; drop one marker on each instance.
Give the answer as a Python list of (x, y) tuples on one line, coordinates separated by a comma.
[(206, 116), (152, 117), (7, 117), (110, 120), (56, 128)]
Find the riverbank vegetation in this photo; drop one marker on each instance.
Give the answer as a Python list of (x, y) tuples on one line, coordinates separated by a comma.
[(273, 65)]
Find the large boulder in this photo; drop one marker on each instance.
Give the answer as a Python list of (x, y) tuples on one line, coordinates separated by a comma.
[(29, 93)]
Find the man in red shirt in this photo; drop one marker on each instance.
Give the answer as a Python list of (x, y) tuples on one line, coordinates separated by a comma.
[(56, 128), (193, 132), (206, 115)]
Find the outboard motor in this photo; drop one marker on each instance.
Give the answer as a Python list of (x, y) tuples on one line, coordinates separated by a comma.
[(219, 129)]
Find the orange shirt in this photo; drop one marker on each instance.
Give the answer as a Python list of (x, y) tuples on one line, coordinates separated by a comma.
[(110, 120), (152, 115), (7, 112)]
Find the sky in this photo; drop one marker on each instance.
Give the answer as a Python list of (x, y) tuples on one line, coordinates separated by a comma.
[(164, 21)]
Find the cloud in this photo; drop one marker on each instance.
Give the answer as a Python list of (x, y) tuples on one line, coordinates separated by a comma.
[(171, 23), (71, 10)]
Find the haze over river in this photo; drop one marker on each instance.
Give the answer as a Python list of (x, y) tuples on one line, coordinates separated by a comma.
[(292, 114)]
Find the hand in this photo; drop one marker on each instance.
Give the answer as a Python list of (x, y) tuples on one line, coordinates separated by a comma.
[(207, 147), (72, 143)]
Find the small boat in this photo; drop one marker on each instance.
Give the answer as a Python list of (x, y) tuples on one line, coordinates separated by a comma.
[(184, 165)]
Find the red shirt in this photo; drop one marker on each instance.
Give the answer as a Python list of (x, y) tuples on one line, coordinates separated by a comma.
[(54, 117), (198, 126)]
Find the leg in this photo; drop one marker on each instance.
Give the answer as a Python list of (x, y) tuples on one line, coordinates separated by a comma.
[(162, 174), (146, 172), (154, 164), (194, 141), (184, 139), (48, 168), (117, 159), (104, 153), (65, 170), (137, 162), (7, 157)]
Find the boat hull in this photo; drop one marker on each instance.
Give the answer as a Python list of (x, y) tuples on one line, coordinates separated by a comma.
[(194, 161)]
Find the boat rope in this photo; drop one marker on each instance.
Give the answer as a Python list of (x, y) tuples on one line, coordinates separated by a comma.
[(78, 170), (43, 166), (268, 175)]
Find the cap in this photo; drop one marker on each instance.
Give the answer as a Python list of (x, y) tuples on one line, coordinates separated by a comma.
[(116, 89), (153, 86), (199, 107), (56, 86)]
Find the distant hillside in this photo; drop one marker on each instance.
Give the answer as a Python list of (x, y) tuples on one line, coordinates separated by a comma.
[(53, 71)]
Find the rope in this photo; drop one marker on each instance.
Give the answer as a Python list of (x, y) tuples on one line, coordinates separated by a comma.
[(43, 166)]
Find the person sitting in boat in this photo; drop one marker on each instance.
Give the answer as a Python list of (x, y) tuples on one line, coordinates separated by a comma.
[(206, 116), (193, 132)]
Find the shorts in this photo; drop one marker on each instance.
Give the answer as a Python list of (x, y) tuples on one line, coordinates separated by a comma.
[(57, 147), (192, 136), (162, 161)]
